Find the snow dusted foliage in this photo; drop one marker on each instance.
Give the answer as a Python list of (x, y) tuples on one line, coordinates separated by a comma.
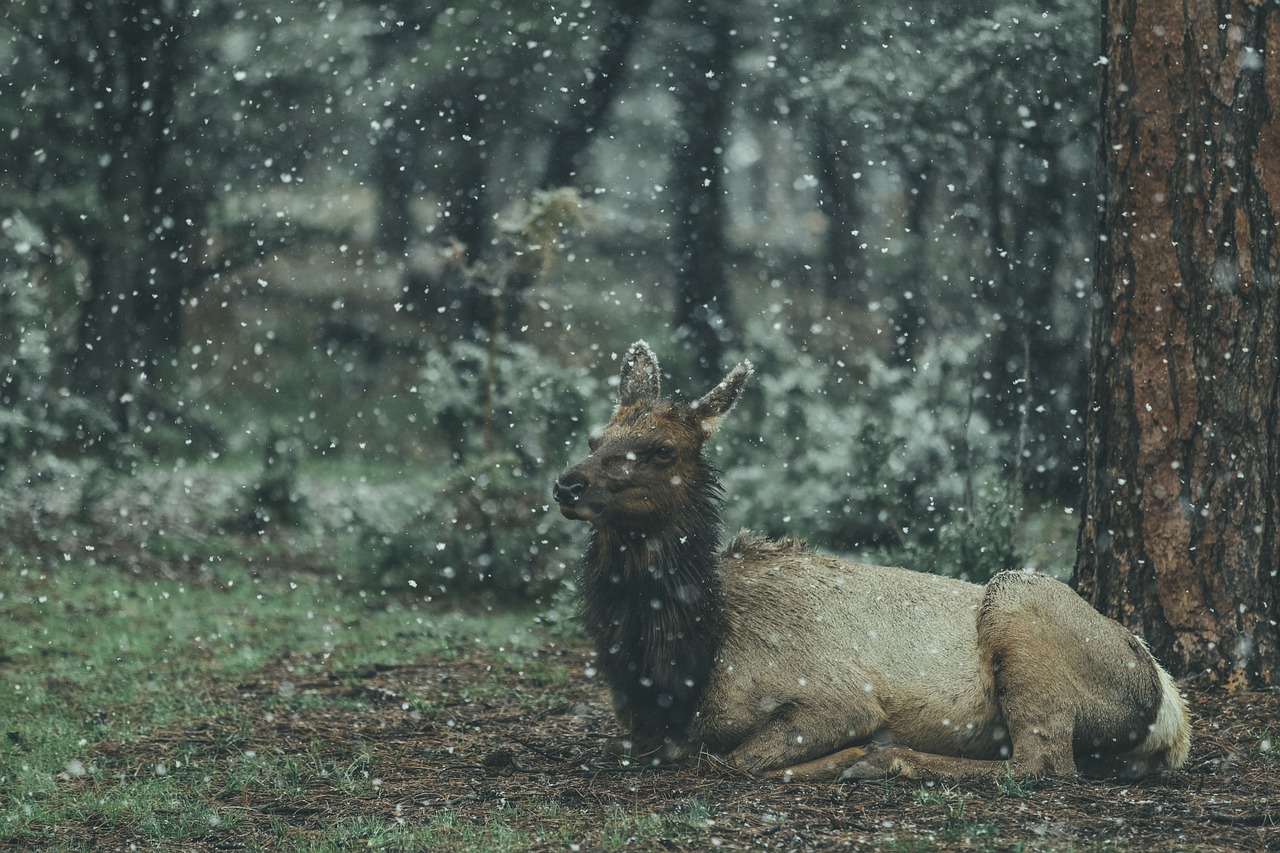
[(24, 350), (860, 455), (507, 418), (276, 497), (32, 415), (853, 454), (508, 397)]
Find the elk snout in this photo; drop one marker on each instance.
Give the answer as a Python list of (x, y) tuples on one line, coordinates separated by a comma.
[(568, 490), (569, 487)]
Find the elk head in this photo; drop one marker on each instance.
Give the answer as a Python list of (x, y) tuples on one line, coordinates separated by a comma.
[(646, 464)]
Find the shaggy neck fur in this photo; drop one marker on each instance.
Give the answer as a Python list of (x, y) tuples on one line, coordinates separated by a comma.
[(654, 605)]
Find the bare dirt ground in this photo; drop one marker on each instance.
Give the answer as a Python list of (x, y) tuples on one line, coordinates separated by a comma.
[(466, 743)]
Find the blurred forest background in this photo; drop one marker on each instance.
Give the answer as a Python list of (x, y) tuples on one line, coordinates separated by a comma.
[(354, 275)]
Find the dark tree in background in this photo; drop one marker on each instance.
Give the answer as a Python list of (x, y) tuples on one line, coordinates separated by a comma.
[(704, 75), (399, 29), (130, 121), (117, 153), (1181, 534), (836, 151), (590, 103)]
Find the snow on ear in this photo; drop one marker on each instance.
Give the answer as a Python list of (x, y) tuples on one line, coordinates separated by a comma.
[(716, 403), (638, 381)]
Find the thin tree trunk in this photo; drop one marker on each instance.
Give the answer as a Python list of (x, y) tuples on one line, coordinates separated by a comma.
[(1181, 534), (845, 259), (468, 298), (908, 296), (702, 304), (130, 322), (102, 369), (392, 176), (573, 135), (396, 166)]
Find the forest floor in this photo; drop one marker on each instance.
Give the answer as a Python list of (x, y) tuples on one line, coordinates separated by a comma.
[(200, 707), (504, 758)]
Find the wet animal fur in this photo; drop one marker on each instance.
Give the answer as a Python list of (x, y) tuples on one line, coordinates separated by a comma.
[(654, 606), (793, 663)]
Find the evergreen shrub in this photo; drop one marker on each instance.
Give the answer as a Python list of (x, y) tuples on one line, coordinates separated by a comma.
[(36, 415), (858, 455), (508, 419)]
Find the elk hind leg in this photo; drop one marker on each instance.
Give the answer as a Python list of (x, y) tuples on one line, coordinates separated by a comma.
[(898, 761), (1037, 750), (1030, 631), (1058, 669)]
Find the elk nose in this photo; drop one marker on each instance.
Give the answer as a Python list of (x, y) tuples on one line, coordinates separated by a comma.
[(569, 488)]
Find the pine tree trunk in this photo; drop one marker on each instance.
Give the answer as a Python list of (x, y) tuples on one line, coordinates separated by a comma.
[(1181, 534), (140, 245)]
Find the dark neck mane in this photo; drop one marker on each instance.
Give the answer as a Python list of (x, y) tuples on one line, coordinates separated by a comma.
[(654, 606)]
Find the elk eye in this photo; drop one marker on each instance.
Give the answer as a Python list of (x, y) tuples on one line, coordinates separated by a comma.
[(664, 452)]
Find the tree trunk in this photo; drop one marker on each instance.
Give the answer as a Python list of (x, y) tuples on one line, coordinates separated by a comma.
[(468, 299), (391, 177), (1181, 534), (838, 197), (102, 368), (574, 133), (396, 167), (907, 296), (702, 308), (161, 313), (140, 246)]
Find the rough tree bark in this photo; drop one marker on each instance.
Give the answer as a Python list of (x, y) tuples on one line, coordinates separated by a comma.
[(1181, 539)]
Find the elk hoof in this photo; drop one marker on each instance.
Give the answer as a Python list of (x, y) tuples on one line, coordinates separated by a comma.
[(875, 765)]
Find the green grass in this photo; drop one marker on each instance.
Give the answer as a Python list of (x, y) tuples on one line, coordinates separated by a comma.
[(90, 654), (157, 809), (626, 830), (96, 659)]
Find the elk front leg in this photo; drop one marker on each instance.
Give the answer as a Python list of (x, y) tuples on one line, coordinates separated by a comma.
[(873, 762), (897, 761), (800, 743), (829, 768)]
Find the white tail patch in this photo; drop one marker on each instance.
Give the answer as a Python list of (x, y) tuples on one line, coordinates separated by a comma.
[(1170, 734)]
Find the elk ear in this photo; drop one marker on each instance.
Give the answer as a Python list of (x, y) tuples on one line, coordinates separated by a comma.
[(639, 381), (716, 403)]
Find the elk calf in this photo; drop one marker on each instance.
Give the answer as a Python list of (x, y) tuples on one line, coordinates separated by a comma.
[(788, 662)]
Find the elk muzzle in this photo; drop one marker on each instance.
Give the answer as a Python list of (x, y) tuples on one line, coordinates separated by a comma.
[(568, 490)]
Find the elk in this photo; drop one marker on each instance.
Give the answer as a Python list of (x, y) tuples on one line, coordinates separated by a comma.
[(786, 662)]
